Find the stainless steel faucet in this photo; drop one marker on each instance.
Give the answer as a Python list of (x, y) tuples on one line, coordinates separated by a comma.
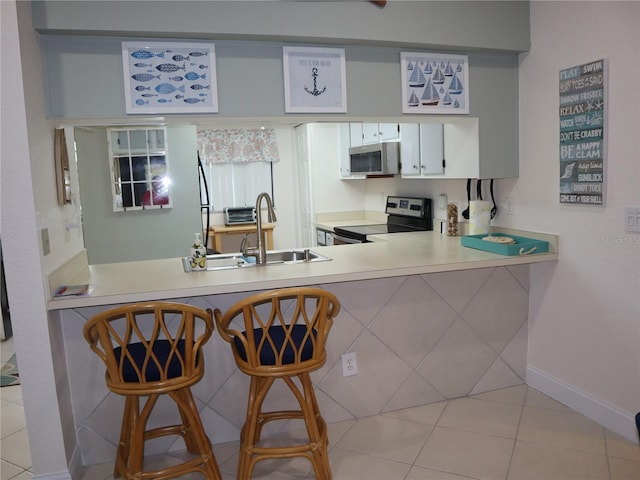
[(260, 252)]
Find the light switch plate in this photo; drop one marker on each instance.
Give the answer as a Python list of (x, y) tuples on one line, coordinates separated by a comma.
[(632, 219), (46, 247)]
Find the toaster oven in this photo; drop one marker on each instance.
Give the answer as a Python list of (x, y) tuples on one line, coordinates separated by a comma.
[(239, 215)]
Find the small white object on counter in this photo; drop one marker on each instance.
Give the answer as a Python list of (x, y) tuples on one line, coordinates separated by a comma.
[(198, 254)]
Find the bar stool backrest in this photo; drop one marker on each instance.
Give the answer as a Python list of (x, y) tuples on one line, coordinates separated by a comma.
[(152, 347)]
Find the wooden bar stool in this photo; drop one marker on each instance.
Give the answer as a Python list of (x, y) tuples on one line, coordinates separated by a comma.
[(282, 335), (152, 349)]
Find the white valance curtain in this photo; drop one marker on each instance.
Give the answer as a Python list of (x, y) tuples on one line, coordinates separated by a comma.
[(238, 145)]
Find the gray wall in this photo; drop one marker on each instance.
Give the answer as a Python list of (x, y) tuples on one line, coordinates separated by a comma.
[(84, 80), (137, 235), (83, 66), (463, 25)]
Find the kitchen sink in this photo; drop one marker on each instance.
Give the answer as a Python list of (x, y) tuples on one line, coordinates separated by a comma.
[(226, 261), (293, 256)]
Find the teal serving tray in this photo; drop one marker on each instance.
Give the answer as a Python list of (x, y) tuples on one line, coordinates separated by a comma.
[(523, 245)]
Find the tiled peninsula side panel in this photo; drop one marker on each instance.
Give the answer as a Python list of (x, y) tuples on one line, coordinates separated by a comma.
[(419, 339)]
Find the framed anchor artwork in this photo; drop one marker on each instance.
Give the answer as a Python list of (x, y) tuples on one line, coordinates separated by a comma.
[(314, 80), (434, 83), (169, 77)]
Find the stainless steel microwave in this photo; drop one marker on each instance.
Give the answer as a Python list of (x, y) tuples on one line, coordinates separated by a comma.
[(375, 159)]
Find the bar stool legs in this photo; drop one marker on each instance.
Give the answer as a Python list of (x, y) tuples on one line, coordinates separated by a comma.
[(315, 451), (130, 453)]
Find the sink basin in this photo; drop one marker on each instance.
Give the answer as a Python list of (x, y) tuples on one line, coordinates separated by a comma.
[(293, 256), (226, 261)]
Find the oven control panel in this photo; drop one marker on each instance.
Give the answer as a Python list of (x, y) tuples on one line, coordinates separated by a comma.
[(408, 206)]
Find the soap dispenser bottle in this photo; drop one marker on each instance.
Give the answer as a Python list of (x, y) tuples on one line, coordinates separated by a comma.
[(198, 254)]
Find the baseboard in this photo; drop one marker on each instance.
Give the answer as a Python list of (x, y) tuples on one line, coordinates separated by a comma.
[(599, 410), (53, 476)]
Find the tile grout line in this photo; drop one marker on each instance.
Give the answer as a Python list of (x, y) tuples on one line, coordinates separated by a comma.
[(515, 438)]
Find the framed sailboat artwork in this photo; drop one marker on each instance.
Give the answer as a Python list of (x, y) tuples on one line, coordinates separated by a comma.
[(314, 80), (162, 77), (434, 83)]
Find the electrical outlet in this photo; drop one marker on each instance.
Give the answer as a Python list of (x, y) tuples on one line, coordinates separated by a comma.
[(349, 364), (442, 201), (511, 205)]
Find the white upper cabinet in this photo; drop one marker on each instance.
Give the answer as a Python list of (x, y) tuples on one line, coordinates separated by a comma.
[(355, 133), (449, 150), (432, 160), (347, 140), (427, 150), (379, 132), (422, 149), (368, 133)]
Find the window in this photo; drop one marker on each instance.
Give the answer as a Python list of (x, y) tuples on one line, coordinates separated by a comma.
[(139, 168), (237, 165), (237, 184)]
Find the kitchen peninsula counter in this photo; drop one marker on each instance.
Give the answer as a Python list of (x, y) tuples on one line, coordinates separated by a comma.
[(390, 255), (429, 320)]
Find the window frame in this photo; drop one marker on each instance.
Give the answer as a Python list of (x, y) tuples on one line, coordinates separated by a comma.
[(133, 163)]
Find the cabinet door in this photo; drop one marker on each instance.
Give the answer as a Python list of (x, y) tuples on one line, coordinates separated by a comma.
[(356, 134), (409, 149), (370, 133), (431, 149), (388, 131), (346, 141), (379, 132)]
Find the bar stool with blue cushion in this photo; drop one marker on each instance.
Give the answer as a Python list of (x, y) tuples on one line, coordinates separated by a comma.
[(153, 349), (281, 334)]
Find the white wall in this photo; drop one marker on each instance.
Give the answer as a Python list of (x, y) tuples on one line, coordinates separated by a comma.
[(26, 144), (330, 192), (584, 325)]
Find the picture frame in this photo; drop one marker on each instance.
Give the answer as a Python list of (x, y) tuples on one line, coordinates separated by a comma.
[(63, 171), (162, 77), (434, 83), (314, 80)]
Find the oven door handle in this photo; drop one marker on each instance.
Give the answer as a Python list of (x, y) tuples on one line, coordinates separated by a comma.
[(342, 239)]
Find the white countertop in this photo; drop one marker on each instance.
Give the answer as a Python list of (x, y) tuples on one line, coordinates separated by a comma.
[(389, 255)]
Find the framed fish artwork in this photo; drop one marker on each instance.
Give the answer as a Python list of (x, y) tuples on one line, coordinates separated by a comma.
[(434, 83), (314, 80), (169, 78)]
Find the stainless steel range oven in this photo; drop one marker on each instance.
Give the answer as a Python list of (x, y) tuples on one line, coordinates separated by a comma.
[(405, 214)]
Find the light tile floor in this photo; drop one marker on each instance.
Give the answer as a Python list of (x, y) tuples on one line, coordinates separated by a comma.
[(512, 434), (14, 447)]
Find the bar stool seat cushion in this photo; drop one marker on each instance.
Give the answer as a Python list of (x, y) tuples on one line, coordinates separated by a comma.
[(278, 336), (162, 350)]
